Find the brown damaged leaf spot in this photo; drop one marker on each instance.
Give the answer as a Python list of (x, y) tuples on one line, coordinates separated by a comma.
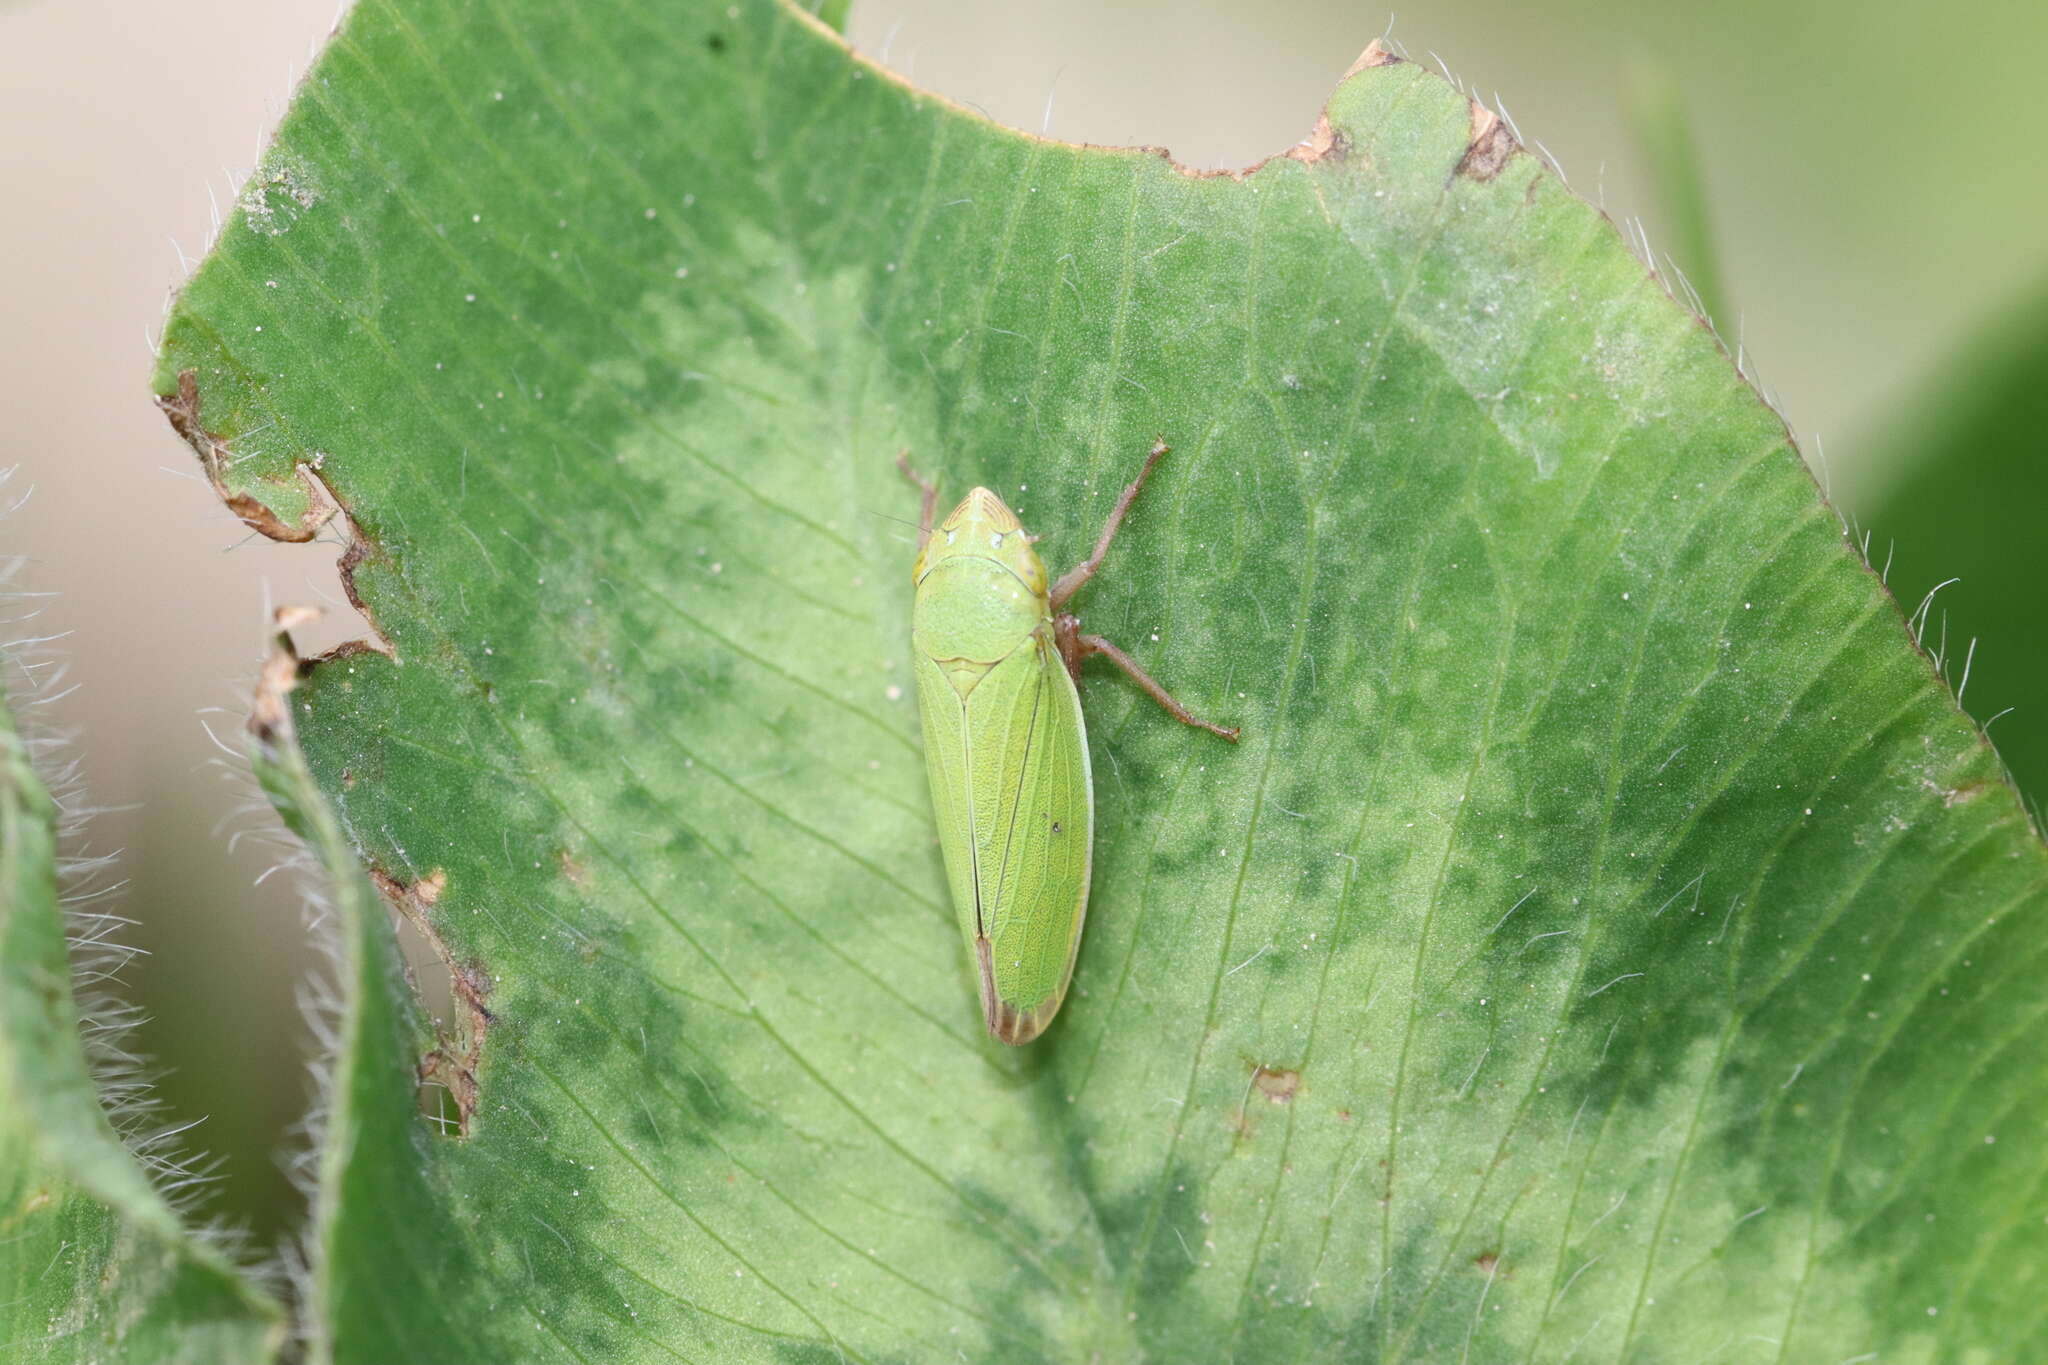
[(270, 715), (322, 506), (453, 1061), (1491, 145), (269, 719), (352, 559), (182, 409), (1326, 142), (1376, 54), (1276, 1083), (347, 649)]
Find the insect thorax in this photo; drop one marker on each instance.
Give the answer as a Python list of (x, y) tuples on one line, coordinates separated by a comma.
[(974, 611)]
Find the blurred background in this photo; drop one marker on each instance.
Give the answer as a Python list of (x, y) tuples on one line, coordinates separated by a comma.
[(1857, 189)]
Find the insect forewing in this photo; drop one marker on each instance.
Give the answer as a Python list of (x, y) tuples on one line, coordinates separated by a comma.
[(1033, 855)]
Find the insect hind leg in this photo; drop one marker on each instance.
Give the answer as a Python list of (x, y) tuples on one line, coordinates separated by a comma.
[(1075, 646)]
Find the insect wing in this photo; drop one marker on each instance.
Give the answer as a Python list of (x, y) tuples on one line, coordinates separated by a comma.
[(1035, 864), (1010, 780), (944, 715)]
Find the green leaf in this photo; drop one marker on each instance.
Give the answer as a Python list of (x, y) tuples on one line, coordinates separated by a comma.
[(372, 1218), (1960, 517), (94, 1264), (1610, 941)]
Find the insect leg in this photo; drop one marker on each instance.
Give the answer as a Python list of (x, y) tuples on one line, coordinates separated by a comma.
[(1075, 647), (1071, 581), (928, 487)]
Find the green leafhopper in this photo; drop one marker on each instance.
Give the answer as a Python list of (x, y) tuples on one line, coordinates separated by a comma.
[(997, 662)]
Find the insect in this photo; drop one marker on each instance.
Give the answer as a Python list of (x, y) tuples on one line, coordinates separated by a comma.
[(997, 659)]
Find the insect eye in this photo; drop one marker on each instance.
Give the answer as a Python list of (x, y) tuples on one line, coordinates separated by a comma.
[(950, 535), (995, 542)]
